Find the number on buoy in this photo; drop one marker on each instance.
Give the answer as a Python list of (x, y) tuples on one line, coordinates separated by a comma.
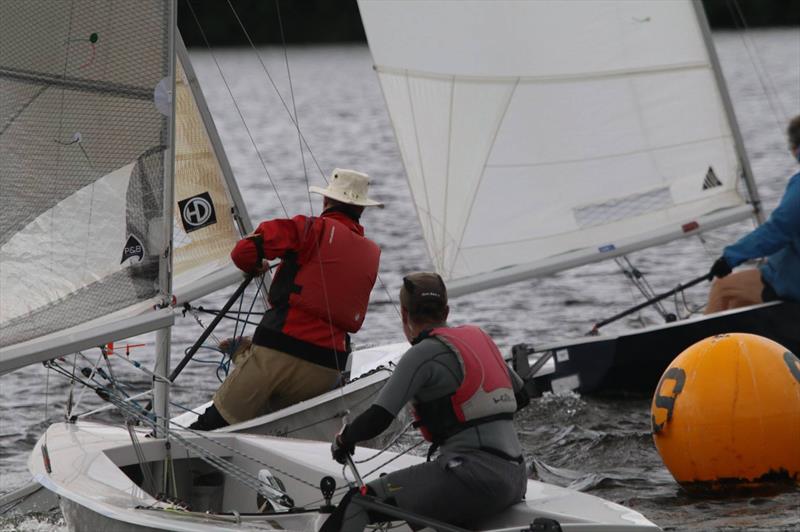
[(667, 401)]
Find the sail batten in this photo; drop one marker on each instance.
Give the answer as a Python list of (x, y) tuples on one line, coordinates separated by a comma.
[(532, 131), (78, 84)]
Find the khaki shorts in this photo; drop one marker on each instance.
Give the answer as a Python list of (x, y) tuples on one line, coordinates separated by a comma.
[(266, 380)]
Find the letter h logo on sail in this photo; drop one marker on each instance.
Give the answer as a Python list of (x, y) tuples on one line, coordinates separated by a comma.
[(197, 212)]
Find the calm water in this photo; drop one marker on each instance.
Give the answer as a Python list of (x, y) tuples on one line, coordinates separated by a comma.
[(603, 447)]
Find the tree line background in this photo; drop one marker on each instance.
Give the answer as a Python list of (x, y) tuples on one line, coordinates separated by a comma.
[(321, 21)]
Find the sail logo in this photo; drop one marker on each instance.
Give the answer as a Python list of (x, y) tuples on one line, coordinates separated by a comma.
[(711, 180), (133, 250), (197, 212)]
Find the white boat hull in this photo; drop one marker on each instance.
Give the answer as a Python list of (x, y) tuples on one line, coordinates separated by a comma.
[(321, 417), (318, 418), (93, 468)]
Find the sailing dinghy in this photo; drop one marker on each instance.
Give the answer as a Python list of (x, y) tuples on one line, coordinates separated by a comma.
[(98, 132), (541, 136), (97, 472), (88, 201)]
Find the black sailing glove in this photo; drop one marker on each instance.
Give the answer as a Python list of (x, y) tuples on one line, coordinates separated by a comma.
[(720, 268), (340, 450)]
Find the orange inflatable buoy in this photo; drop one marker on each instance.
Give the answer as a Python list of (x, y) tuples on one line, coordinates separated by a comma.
[(726, 415)]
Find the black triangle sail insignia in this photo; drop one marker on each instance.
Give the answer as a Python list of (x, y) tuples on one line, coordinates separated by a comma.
[(133, 248), (711, 180)]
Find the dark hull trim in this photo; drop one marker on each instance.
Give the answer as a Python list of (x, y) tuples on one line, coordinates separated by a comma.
[(631, 364)]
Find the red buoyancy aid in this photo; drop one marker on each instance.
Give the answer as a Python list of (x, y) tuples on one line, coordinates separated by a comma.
[(485, 394), (336, 280)]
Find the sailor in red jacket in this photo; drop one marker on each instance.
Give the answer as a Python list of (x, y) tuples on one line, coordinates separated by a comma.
[(319, 294)]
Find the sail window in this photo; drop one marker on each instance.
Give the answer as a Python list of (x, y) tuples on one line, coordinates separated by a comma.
[(622, 208)]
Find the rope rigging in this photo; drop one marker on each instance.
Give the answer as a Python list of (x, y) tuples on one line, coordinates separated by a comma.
[(762, 72), (134, 413), (638, 279), (683, 309), (292, 117)]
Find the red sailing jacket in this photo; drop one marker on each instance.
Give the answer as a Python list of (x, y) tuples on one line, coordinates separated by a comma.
[(485, 394), (320, 291)]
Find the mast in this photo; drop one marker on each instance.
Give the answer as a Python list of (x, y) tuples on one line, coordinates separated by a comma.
[(163, 336), (747, 171)]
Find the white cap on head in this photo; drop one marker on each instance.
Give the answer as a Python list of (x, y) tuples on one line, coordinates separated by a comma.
[(347, 186)]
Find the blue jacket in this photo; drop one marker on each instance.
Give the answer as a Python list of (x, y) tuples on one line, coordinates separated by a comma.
[(778, 239)]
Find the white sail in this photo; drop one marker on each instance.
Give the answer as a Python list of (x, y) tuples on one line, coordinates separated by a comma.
[(82, 173), (542, 135), (210, 215), (83, 138)]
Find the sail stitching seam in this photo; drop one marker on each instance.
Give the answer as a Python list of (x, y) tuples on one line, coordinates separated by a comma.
[(480, 180), (610, 156), (447, 167), (435, 255), (563, 78)]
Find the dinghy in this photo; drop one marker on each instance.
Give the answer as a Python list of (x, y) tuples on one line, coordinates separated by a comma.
[(541, 136), (112, 123), (632, 363), (100, 151), (97, 472), (95, 213)]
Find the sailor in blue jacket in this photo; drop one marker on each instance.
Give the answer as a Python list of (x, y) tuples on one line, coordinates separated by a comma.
[(777, 239)]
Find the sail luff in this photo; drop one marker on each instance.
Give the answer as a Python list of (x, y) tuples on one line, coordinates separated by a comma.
[(744, 160), (168, 199), (205, 189), (164, 336), (240, 213)]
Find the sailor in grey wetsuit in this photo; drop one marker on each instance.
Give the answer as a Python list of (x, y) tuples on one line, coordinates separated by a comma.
[(464, 397)]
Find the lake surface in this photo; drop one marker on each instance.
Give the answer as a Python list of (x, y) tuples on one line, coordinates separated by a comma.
[(601, 446)]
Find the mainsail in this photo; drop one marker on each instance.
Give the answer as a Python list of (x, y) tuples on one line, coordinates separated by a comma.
[(85, 166), (538, 136)]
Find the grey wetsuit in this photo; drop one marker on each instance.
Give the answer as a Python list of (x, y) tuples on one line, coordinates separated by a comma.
[(479, 471)]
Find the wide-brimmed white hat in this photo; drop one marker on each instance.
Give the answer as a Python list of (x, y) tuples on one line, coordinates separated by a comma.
[(348, 186)]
